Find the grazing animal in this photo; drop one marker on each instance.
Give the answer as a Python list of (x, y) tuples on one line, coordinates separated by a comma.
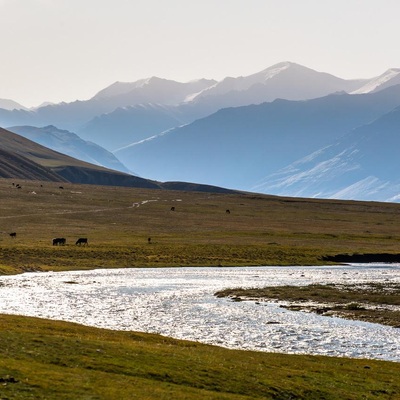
[(81, 241), (228, 211), (172, 208), (61, 187), (59, 241), (149, 240), (13, 235)]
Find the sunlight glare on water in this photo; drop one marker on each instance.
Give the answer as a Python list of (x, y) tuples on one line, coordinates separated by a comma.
[(180, 302)]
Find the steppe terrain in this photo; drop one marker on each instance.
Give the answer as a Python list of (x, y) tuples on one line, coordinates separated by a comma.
[(118, 223)]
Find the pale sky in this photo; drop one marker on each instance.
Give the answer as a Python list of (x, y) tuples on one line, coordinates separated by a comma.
[(63, 50)]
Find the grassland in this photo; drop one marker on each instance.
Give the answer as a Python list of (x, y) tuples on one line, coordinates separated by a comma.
[(56, 360), (372, 302), (259, 230)]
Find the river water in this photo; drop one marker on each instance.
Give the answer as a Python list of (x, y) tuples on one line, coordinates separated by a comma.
[(180, 302)]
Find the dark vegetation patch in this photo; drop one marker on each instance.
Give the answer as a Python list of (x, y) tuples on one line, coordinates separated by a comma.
[(363, 258)]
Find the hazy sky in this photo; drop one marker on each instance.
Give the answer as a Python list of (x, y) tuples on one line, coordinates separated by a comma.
[(62, 50)]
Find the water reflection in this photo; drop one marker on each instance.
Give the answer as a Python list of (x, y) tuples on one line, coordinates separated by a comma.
[(180, 303)]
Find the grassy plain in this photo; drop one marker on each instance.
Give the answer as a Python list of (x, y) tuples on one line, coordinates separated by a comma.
[(259, 230)]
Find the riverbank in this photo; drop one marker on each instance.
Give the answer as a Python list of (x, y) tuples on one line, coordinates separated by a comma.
[(371, 302), (59, 360)]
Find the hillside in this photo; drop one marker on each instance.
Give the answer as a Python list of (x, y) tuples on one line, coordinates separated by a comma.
[(59, 166), (70, 144), (15, 166), (25, 159)]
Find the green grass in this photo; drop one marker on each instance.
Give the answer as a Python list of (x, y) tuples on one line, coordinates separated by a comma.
[(42, 359), (260, 230)]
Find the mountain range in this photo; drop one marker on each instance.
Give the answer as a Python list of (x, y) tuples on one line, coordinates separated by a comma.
[(275, 131), (361, 164), (181, 103), (237, 147)]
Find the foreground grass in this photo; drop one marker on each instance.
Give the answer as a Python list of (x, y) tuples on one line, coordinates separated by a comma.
[(42, 359), (372, 302), (259, 230)]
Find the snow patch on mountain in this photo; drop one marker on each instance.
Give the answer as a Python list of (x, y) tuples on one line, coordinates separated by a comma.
[(242, 83), (7, 104), (389, 78)]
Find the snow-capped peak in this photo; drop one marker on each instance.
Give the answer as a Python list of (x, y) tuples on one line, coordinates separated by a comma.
[(388, 78), (242, 83)]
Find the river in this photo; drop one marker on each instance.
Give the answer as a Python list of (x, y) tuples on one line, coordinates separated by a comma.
[(180, 303)]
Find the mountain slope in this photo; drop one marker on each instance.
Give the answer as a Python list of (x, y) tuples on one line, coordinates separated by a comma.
[(363, 164), (70, 169), (130, 124), (389, 78), (75, 115), (23, 159), (285, 80), (16, 166), (70, 144), (152, 90), (10, 105), (237, 147)]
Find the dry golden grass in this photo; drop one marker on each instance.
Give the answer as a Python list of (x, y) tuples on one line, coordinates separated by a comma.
[(259, 230)]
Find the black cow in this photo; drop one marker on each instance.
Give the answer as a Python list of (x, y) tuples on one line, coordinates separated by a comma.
[(59, 241), (172, 208), (81, 241), (13, 235), (228, 211)]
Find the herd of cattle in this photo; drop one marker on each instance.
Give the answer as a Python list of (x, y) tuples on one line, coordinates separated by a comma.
[(63, 241), (81, 241), (60, 241)]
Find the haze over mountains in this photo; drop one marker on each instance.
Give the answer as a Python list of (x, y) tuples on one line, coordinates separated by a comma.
[(258, 132), (70, 144), (361, 164)]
